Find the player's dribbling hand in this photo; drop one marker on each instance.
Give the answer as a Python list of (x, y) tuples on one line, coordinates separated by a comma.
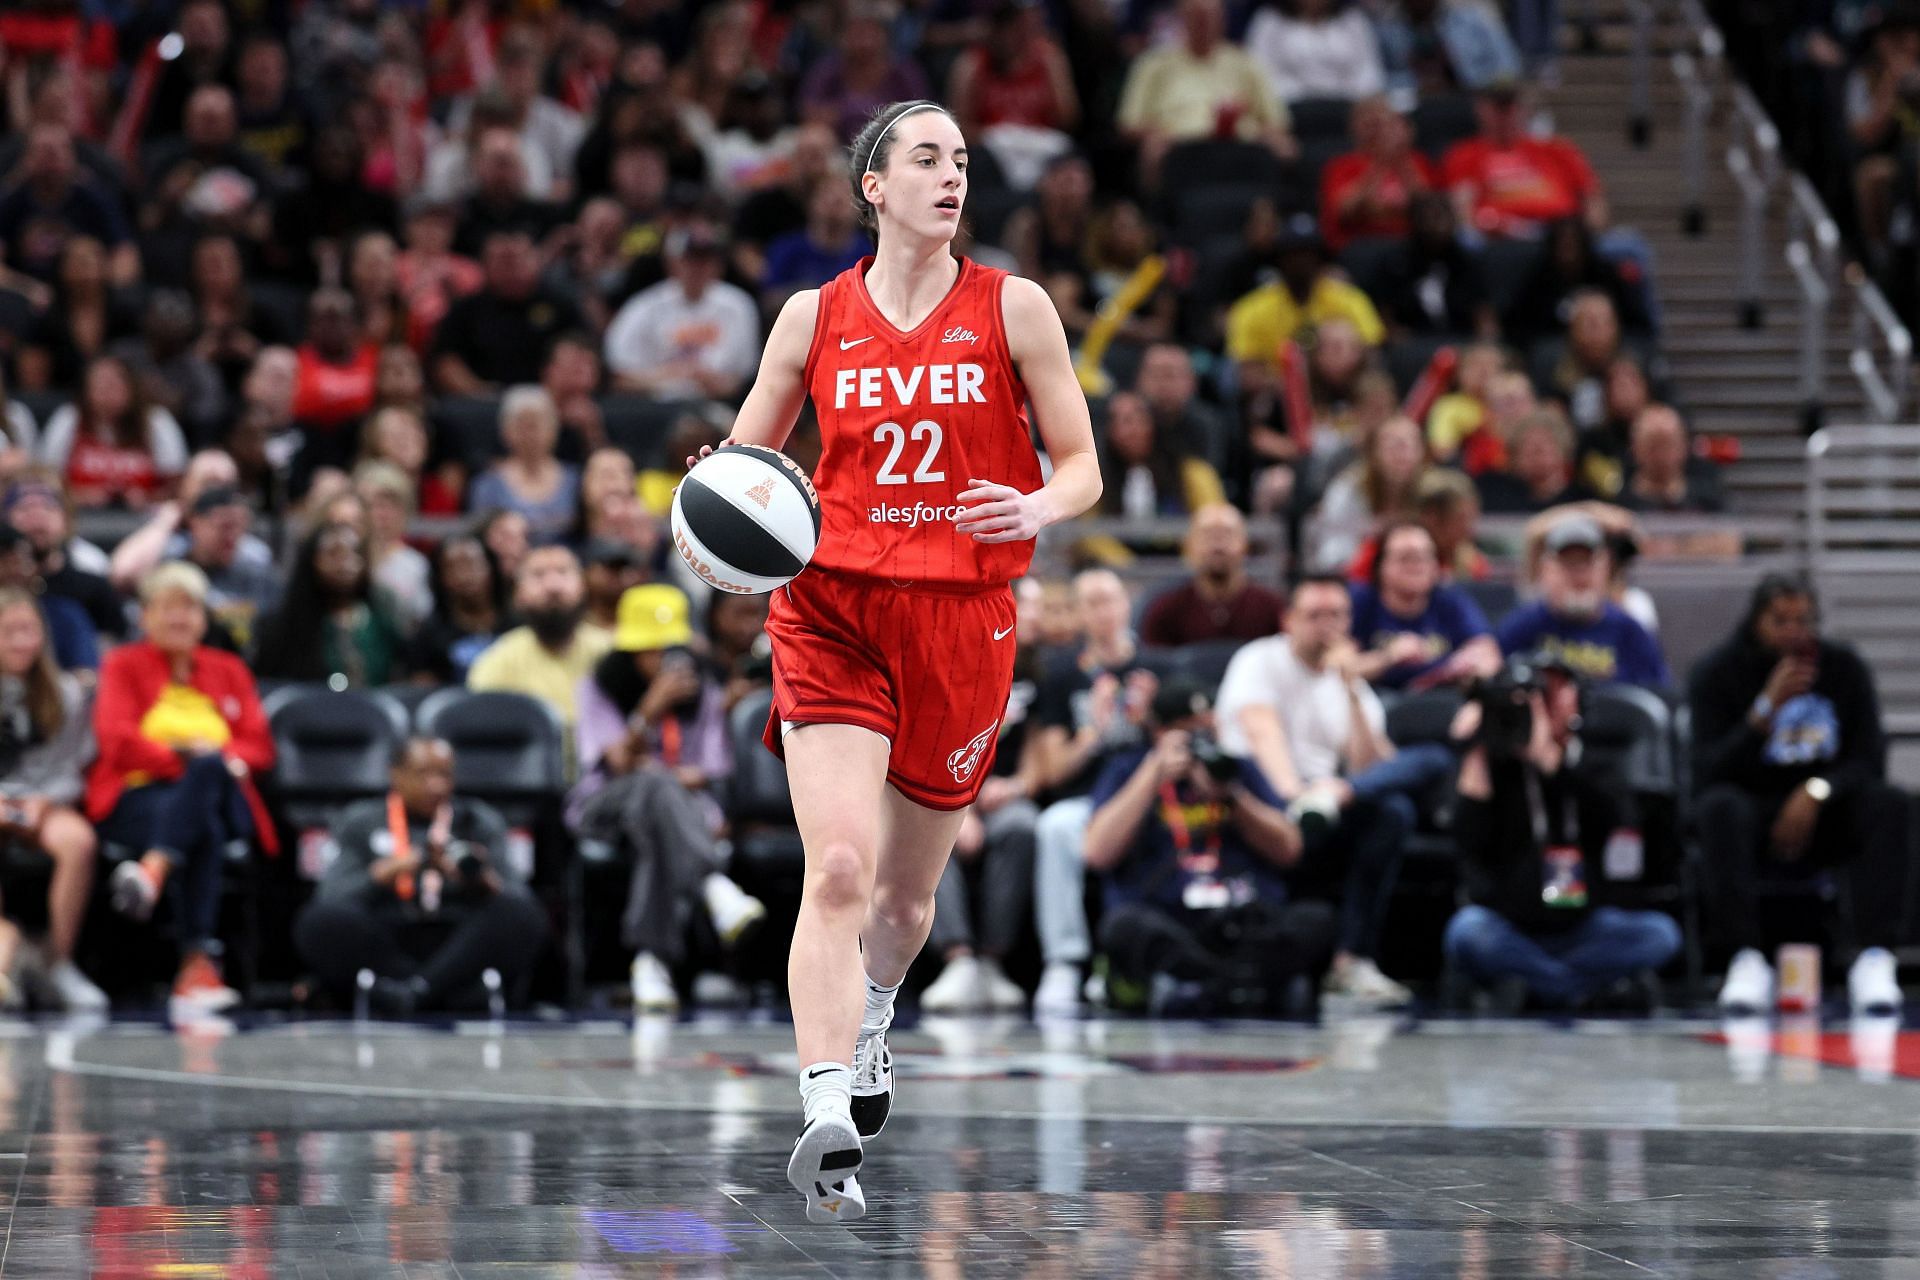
[(1004, 514), (706, 449)]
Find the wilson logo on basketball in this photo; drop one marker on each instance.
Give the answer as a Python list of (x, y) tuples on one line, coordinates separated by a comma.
[(704, 570), (762, 493), (963, 762)]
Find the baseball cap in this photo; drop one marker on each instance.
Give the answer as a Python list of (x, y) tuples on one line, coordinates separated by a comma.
[(1576, 532), (215, 498), (1179, 697), (652, 617)]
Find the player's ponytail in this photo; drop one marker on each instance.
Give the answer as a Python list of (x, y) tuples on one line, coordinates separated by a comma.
[(872, 147)]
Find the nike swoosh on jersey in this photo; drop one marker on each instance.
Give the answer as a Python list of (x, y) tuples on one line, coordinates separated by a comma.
[(1002, 635), (847, 346)]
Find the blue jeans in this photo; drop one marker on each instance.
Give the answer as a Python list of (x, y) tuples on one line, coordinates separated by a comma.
[(1411, 771), (1561, 968), (190, 819)]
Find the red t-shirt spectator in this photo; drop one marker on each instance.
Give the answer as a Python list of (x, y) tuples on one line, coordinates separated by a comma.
[(1393, 193), (1532, 180), (331, 395), (1023, 94)]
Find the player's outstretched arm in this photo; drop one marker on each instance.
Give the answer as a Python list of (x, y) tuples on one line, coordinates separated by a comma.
[(998, 512), (779, 389)]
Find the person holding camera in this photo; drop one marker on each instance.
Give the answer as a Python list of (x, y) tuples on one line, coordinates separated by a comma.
[(651, 741), (1195, 847), (1534, 820), (1790, 759), (1297, 706), (418, 893)]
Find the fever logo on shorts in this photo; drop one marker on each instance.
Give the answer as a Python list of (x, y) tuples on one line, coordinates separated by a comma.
[(963, 762), (762, 493)]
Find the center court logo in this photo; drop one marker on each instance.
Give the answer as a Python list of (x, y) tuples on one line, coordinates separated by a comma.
[(963, 762), (914, 516)]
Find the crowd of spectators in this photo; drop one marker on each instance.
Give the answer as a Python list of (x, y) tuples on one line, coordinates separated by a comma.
[(368, 338)]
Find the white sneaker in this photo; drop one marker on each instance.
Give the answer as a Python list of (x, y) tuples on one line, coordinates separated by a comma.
[(1360, 980), (1313, 810), (652, 985), (1002, 994), (872, 1099), (132, 890), (960, 988), (734, 911), (75, 991), (1059, 992), (824, 1162), (1873, 984), (1749, 984)]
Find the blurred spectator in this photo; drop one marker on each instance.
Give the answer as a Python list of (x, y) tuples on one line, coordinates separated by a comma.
[(1570, 266), (19, 426), (242, 583), (547, 656), (1122, 252), (70, 566), (1623, 537), (1087, 706), (608, 471), (752, 148), (1370, 190), (373, 278), (860, 74), (398, 437), (1545, 804), (1217, 602), (572, 375), (332, 627), (202, 180), (51, 202), (110, 446), (591, 268), (399, 379), (500, 335), (830, 243), (1460, 427), (400, 572), (1575, 622), (1507, 182), (1435, 46), (1147, 472), (70, 636), (1306, 294), (173, 376), (1665, 476), (505, 535), (737, 647), (1880, 119), (1202, 86), (1316, 49), (276, 120), (651, 739), (1790, 760), (45, 741), (1432, 284), (1049, 234), (1579, 378), (469, 611), (181, 736), (1166, 381), (1604, 448), (429, 274), (530, 480), (610, 569), (206, 57), (419, 893), (312, 224), (87, 314), (1380, 486), (1014, 92), (334, 385), (1349, 397), (691, 335), (233, 327), (544, 126), (1296, 707), (1449, 510), (1542, 475), (1194, 849), (163, 535), (1415, 630), (502, 196)]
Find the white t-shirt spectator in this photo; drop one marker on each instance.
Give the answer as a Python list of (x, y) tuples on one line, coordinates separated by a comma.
[(1338, 58), (661, 325), (1313, 708)]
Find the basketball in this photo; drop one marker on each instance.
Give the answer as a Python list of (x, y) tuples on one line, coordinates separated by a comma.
[(746, 519)]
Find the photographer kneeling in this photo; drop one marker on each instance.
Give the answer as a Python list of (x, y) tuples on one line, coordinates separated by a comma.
[(416, 895), (1195, 845), (1533, 822)]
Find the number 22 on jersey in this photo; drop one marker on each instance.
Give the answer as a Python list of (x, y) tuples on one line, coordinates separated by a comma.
[(895, 438)]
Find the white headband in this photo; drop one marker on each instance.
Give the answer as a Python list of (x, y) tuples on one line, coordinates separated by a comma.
[(874, 150)]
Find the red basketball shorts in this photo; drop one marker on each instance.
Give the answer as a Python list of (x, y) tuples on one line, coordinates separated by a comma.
[(927, 668)]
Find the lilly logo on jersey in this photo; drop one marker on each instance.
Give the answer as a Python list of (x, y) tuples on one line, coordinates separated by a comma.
[(960, 334), (963, 762), (943, 384)]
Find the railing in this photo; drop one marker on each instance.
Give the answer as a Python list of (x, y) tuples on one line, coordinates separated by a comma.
[(1640, 74), (1753, 158), (1813, 260), (1874, 319)]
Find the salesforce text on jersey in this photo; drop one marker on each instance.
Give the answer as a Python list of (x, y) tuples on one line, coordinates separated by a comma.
[(914, 516)]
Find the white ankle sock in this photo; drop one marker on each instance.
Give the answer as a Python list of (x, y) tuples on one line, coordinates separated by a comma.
[(826, 1087), (879, 1011)]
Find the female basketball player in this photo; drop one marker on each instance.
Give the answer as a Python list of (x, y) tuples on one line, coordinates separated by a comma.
[(893, 652)]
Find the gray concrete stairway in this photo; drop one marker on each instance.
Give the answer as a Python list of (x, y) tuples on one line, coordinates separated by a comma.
[(1731, 380)]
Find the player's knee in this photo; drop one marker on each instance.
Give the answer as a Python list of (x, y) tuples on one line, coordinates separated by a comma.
[(902, 912), (840, 875)]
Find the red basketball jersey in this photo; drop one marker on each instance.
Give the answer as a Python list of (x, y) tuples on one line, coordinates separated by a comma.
[(906, 420)]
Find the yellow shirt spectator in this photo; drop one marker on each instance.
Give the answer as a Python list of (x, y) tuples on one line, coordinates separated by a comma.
[(1182, 95), (1267, 317), (518, 663)]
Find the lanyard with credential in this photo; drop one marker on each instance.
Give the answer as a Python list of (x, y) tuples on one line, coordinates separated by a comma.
[(403, 839), (1537, 811), (1205, 863)]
